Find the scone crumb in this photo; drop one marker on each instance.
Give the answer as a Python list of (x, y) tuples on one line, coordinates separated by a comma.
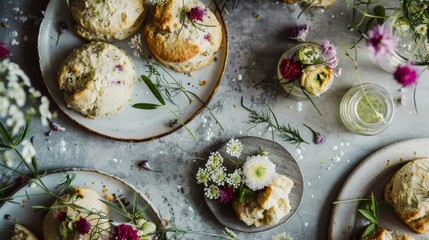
[(203, 83), (190, 74), (75, 68), (109, 197), (258, 16), (105, 190)]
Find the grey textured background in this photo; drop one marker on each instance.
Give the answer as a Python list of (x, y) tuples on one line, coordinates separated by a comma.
[(253, 42)]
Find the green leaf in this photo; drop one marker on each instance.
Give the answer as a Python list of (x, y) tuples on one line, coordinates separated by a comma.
[(147, 106), (153, 89), (368, 215), (5, 135), (370, 230), (35, 165)]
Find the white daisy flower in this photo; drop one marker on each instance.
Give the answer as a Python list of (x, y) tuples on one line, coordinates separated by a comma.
[(28, 151), (422, 29), (282, 236), (259, 172), (234, 147), (235, 179), (202, 177), (219, 176), (212, 192)]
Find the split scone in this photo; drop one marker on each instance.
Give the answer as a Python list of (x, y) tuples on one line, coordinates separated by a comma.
[(97, 79), (23, 233), (270, 205), (108, 20), (85, 199), (184, 35), (316, 3), (408, 192), (384, 234)]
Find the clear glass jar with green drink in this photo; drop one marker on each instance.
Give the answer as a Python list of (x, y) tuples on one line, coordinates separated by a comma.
[(367, 109)]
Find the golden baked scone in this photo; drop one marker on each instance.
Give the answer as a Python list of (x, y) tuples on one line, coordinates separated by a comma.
[(97, 79), (86, 198), (384, 234), (23, 233), (316, 3), (179, 40), (408, 192), (108, 20), (270, 205)]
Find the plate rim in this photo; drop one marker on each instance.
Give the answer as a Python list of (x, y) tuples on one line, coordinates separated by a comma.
[(263, 228), (159, 136), (367, 160)]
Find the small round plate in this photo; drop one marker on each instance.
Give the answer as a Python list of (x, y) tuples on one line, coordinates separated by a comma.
[(372, 175), (131, 124), (21, 211), (285, 165)]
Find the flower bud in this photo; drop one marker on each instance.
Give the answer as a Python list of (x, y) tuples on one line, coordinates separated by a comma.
[(316, 79)]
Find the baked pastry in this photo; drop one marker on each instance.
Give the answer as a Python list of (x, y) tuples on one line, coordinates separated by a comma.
[(97, 79), (270, 205), (108, 20), (184, 35), (87, 199), (384, 234), (407, 192), (23, 233), (314, 3)]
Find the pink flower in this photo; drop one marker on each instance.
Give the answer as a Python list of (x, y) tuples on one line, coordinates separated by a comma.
[(125, 232), (226, 194), (405, 75), (82, 226), (4, 51), (208, 37), (299, 33), (381, 41), (330, 52), (61, 216), (290, 69), (197, 14)]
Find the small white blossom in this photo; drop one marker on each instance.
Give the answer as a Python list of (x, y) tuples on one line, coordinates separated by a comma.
[(158, 2), (136, 45), (259, 172), (15, 91), (4, 106), (28, 151), (202, 177), (219, 176), (45, 114), (35, 93), (282, 236), (212, 192), (234, 147), (16, 119), (214, 162), (235, 179), (422, 29)]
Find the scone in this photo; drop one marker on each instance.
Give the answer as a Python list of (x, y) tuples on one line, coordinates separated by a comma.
[(108, 20), (408, 191), (23, 233), (270, 205), (183, 37), (316, 3), (97, 80), (87, 199), (384, 234)]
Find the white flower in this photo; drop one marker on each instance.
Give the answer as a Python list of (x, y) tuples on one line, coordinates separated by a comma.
[(234, 148), (45, 114), (136, 44), (259, 172), (16, 119), (214, 162), (28, 151), (202, 177), (8, 159), (212, 192), (219, 176), (35, 93), (160, 2), (235, 179), (16, 92), (422, 29), (4, 106), (282, 236)]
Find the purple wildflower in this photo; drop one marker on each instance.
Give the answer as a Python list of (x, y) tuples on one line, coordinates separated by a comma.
[(317, 137), (82, 226), (290, 69), (226, 194), (405, 75), (4, 51), (299, 33), (208, 37), (124, 232), (56, 127), (119, 67), (61, 216), (330, 52), (196, 14), (380, 41)]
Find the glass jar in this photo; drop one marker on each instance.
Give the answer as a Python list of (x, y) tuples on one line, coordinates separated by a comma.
[(358, 115), (294, 88)]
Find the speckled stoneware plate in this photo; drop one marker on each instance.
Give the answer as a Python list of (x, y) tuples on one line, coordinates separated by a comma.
[(372, 175), (131, 124), (285, 164), (22, 212)]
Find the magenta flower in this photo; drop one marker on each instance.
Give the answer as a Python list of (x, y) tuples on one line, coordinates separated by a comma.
[(299, 33), (405, 75), (197, 14), (4, 51), (380, 41), (119, 67), (226, 194), (61, 216), (330, 52), (124, 232), (290, 69), (208, 37), (82, 226)]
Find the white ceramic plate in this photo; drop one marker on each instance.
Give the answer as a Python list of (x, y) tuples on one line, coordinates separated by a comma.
[(372, 175), (23, 213), (285, 164), (131, 124)]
